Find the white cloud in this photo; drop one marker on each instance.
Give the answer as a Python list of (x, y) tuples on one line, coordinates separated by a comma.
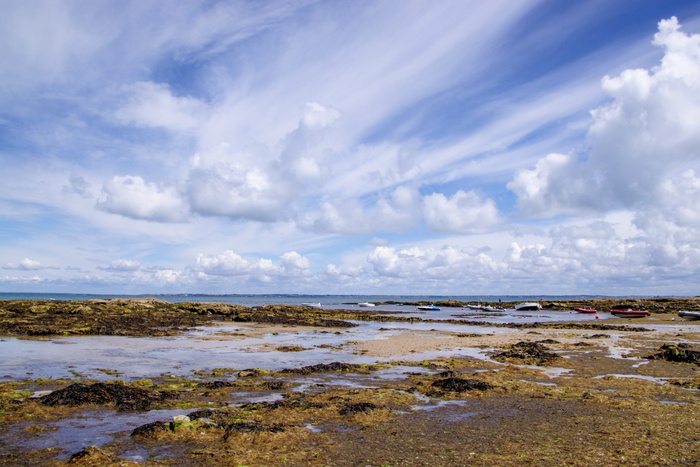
[(316, 115), (25, 265), (230, 264), (132, 196), (293, 261), (640, 140), (291, 126), (262, 181), (399, 211), (153, 104), (464, 212)]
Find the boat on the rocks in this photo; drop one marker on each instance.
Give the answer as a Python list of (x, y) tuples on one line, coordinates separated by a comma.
[(428, 307), (366, 304), (630, 313), (585, 309), (314, 305), (691, 315), (528, 306)]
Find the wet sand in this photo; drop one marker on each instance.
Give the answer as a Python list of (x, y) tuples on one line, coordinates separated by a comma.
[(438, 395)]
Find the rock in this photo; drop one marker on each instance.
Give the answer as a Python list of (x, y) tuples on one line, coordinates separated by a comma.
[(126, 398), (529, 352), (150, 429), (352, 409), (90, 456), (461, 385), (677, 353), (322, 367), (215, 384)]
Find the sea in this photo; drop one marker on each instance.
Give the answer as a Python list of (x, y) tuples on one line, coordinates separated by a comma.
[(294, 299)]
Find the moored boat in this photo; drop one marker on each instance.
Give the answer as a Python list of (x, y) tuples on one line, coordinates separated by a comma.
[(314, 305), (428, 307), (492, 308), (585, 309), (692, 315), (630, 313), (481, 307), (366, 304), (529, 306)]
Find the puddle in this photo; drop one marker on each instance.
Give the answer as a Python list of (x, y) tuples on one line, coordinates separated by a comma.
[(552, 372), (448, 416), (94, 427), (313, 428), (253, 397), (541, 383), (653, 379)]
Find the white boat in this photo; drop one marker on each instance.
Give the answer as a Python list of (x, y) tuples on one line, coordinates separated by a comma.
[(528, 306), (492, 308), (365, 304), (315, 305), (485, 308)]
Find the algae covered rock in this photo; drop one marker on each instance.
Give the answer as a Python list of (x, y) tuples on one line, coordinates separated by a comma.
[(124, 397)]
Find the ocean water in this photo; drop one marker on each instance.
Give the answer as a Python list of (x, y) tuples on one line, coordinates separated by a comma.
[(294, 299)]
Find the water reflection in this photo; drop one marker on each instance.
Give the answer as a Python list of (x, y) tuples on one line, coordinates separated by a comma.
[(115, 357)]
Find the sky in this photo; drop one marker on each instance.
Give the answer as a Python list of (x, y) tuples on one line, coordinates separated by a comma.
[(460, 147)]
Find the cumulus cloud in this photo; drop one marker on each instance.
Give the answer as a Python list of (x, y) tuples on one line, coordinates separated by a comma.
[(231, 264), (448, 263), (262, 181), (131, 196), (464, 212), (235, 189), (293, 261), (396, 211), (153, 105), (639, 140), (25, 265)]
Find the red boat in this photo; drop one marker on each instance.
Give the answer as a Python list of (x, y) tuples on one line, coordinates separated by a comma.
[(630, 313), (586, 309)]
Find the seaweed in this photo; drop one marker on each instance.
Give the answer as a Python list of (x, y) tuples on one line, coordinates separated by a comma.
[(124, 397)]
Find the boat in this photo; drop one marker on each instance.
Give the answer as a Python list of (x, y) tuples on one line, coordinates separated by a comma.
[(428, 307), (365, 304), (315, 305), (492, 308), (630, 313), (585, 309), (529, 306), (689, 314)]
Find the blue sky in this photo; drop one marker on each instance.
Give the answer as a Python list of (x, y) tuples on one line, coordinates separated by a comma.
[(366, 147)]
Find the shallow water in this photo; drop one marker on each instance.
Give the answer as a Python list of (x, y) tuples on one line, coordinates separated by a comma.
[(100, 357), (92, 427), (95, 357)]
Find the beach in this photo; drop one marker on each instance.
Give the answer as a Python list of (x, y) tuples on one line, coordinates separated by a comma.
[(220, 384)]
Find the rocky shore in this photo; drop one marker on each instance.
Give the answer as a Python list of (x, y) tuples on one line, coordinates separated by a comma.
[(627, 393)]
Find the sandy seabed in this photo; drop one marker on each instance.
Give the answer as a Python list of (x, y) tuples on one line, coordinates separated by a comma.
[(542, 395)]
